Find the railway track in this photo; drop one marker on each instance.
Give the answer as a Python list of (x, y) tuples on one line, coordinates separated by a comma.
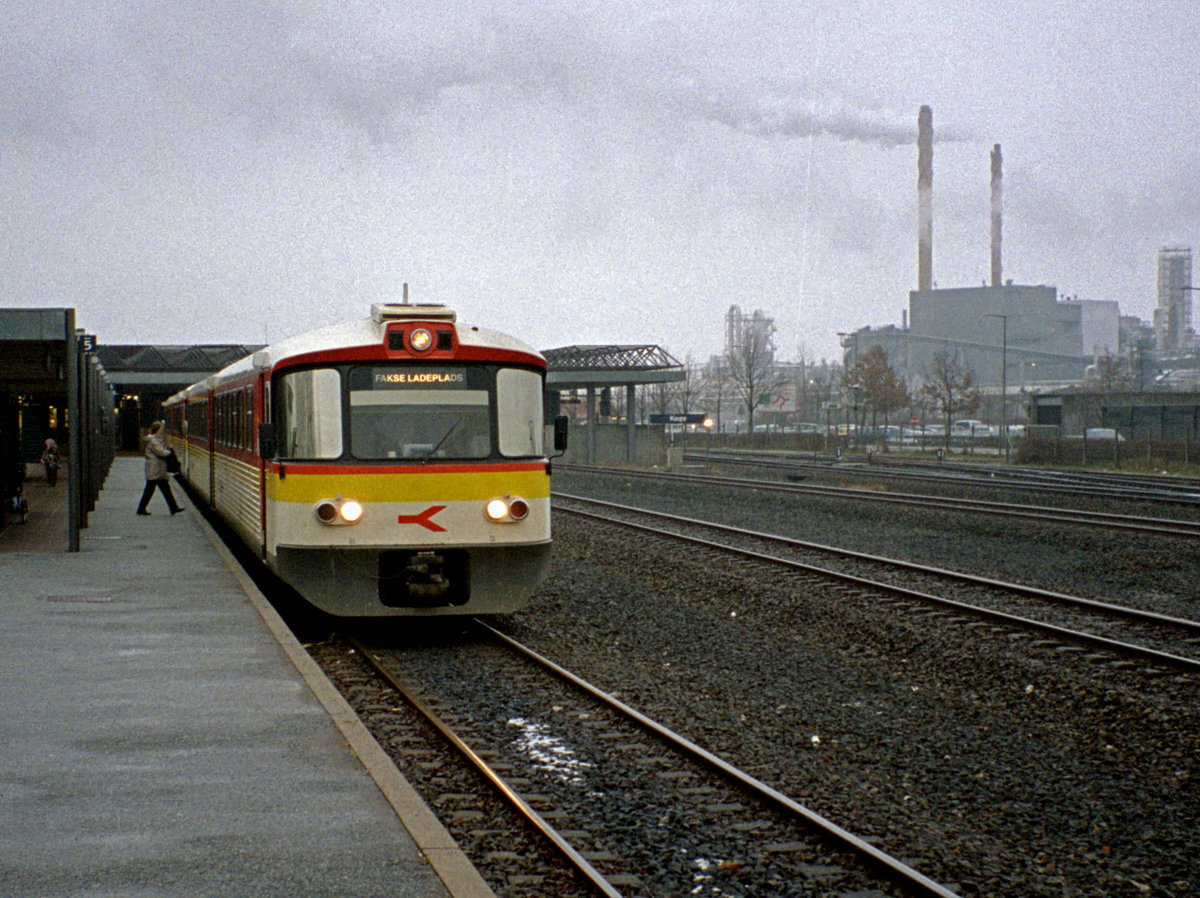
[(633, 807), (1092, 485), (1115, 630), (1169, 527)]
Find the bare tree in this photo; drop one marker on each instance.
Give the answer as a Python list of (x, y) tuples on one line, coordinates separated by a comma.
[(659, 398), (1113, 375), (687, 393), (714, 388), (950, 387), (883, 390), (751, 364)]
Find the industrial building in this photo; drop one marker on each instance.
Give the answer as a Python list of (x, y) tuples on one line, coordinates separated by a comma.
[(1173, 315), (1015, 335)]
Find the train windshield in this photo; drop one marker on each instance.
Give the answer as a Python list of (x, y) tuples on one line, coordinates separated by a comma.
[(416, 413), (519, 418), (310, 412), (412, 412)]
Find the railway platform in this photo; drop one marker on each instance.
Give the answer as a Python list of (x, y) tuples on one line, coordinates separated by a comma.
[(164, 734)]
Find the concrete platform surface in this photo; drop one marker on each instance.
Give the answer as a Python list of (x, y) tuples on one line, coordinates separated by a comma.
[(163, 736)]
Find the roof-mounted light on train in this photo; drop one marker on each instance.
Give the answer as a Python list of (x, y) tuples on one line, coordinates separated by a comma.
[(420, 340), (506, 510)]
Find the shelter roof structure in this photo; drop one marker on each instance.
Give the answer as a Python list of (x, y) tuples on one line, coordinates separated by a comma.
[(37, 347), (168, 365), (46, 363), (572, 367)]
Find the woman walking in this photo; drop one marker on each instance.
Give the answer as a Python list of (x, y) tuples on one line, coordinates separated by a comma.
[(156, 470)]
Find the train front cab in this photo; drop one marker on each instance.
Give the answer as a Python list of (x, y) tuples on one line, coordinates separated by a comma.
[(402, 488)]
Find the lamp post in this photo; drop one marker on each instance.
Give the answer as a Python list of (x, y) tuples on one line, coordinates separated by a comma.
[(1003, 381), (854, 361)]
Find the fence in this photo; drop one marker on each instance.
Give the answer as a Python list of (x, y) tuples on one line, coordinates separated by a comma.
[(1047, 446)]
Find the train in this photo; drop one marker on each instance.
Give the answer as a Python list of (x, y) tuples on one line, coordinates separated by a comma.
[(390, 466)]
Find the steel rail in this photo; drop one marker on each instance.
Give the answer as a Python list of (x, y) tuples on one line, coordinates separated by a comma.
[(1034, 592), (1186, 487), (894, 870), (1121, 649), (573, 857), (1065, 483), (1045, 514)]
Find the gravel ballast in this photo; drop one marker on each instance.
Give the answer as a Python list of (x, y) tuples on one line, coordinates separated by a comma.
[(988, 759)]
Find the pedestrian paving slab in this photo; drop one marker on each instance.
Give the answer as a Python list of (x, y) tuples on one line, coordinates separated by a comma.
[(159, 739)]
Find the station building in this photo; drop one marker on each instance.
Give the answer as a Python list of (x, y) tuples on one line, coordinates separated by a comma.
[(58, 382), (53, 387)]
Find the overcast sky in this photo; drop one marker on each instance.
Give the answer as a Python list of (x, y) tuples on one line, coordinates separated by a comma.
[(580, 172)]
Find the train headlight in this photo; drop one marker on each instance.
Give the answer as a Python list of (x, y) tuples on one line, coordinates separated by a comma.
[(420, 339), (339, 511), (506, 510)]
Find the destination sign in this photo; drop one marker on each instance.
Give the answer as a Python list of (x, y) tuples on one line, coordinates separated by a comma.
[(423, 377), (399, 378)]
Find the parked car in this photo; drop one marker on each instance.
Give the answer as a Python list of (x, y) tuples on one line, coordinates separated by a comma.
[(971, 428), (889, 433), (928, 434), (1102, 433)]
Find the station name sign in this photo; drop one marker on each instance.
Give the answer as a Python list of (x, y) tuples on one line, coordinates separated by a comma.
[(677, 419)]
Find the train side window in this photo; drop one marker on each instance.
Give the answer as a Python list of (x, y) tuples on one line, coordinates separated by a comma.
[(519, 412), (248, 418), (311, 408), (197, 420)]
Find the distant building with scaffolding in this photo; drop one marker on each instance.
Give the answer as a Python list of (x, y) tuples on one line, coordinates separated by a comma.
[(1173, 332), (742, 330)]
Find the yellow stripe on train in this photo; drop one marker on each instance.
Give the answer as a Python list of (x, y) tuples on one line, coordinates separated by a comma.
[(409, 487)]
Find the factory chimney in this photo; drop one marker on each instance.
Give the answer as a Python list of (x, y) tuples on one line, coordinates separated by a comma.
[(997, 211), (925, 199)]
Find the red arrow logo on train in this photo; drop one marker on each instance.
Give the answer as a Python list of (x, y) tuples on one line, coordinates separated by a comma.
[(424, 519)]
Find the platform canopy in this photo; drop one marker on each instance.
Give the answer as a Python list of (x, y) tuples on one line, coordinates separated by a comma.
[(575, 367), (36, 347), (169, 367)]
